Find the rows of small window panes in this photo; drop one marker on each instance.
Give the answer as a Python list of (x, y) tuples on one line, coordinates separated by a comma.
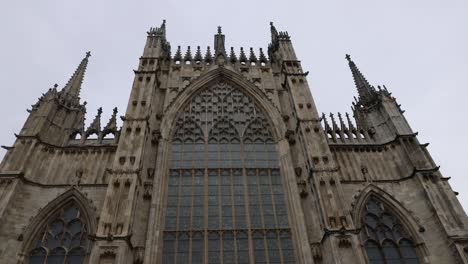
[(229, 193), (224, 156), (228, 247)]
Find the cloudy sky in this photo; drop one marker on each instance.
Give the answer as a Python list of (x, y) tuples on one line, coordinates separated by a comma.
[(418, 49)]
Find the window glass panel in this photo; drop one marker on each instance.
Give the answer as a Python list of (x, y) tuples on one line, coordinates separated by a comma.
[(408, 252), (71, 213), (56, 256), (74, 226), (374, 253), (213, 248), (183, 249), (382, 231), (37, 256), (76, 256), (287, 248), (273, 249), (242, 248), (197, 248), (391, 253), (259, 248)]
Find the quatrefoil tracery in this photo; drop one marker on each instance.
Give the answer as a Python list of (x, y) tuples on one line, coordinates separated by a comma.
[(222, 113)]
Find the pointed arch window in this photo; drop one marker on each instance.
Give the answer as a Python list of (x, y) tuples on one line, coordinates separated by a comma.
[(225, 199), (62, 240), (386, 240)]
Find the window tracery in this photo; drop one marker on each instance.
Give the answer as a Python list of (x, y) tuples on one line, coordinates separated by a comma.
[(62, 240), (224, 187), (385, 238)]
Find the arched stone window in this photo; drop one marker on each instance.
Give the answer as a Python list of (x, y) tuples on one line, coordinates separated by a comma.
[(62, 240), (225, 198), (386, 240)]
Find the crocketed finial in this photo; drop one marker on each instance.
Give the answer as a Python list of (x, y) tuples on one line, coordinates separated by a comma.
[(242, 57), (208, 56), (198, 56), (111, 126), (232, 56), (219, 43), (367, 93), (252, 57), (71, 91), (263, 58), (178, 55), (95, 126), (188, 55)]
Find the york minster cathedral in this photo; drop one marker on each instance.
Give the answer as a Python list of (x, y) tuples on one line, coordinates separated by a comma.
[(223, 157)]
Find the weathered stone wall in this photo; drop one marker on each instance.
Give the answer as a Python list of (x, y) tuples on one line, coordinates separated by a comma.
[(48, 164)]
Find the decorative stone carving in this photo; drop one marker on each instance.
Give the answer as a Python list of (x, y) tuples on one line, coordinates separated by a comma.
[(155, 136), (298, 171)]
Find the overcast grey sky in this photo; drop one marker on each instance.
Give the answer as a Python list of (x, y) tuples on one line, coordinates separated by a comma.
[(417, 48)]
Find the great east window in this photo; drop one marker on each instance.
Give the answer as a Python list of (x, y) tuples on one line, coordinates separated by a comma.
[(225, 197)]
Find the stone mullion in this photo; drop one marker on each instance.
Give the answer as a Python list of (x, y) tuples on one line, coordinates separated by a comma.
[(234, 222), (191, 212), (273, 200), (205, 203), (247, 205)]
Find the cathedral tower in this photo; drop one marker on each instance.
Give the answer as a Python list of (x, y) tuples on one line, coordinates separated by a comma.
[(223, 157)]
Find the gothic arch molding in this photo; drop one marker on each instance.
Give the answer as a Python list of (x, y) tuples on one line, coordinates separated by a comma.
[(44, 215), (397, 208), (230, 77), (409, 222)]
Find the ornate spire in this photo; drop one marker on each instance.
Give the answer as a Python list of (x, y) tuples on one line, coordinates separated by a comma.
[(95, 126), (178, 55), (325, 122), (198, 57), (73, 87), (208, 56), (219, 43), (252, 57), (274, 33), (242, 57), (232, 56), (111, 126), (335, 126), (350, 123), (188, 55), (342, 123), (367, 93), (263, 58)]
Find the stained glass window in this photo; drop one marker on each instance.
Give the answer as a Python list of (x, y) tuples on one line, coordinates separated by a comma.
[(386, 240), (225, 189), (62, 240)]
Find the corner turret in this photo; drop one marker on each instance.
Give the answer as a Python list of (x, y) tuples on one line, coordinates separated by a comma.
[(58, 113), (280, 48)]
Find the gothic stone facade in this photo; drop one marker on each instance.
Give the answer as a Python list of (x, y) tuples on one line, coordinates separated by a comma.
[(224, 158)]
